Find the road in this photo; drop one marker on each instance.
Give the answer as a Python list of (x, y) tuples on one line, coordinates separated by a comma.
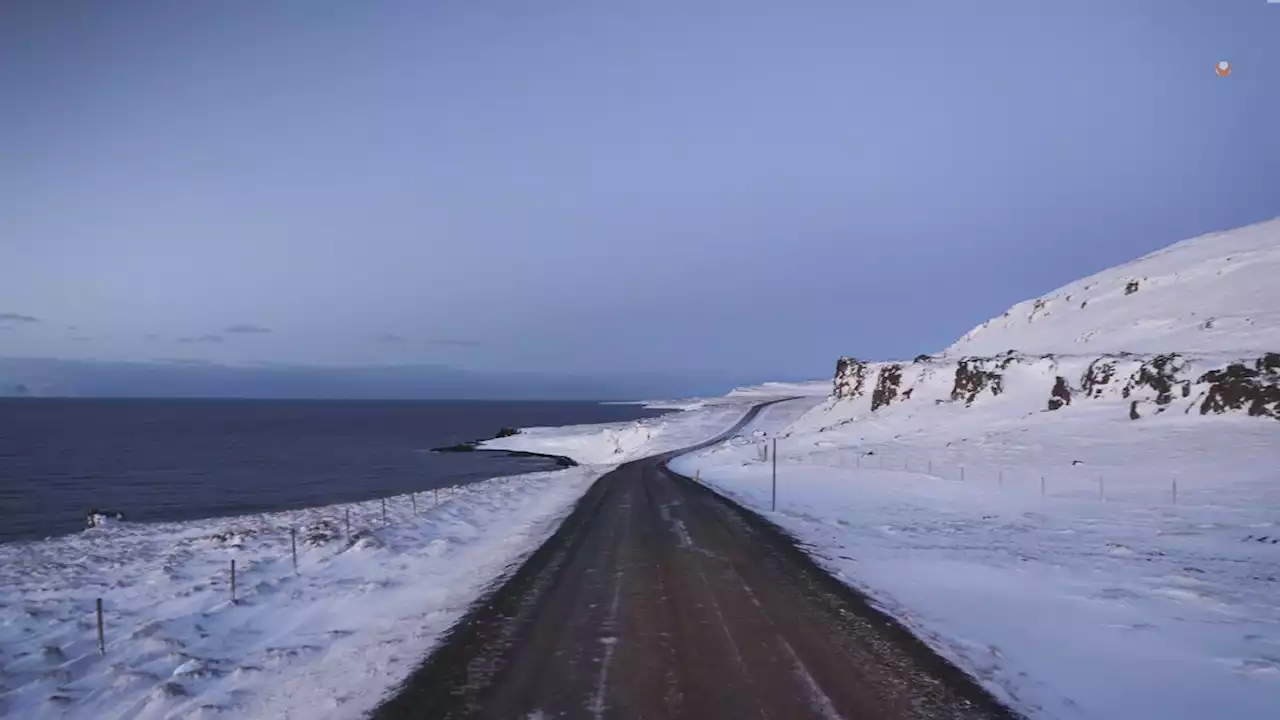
[(657, 598)]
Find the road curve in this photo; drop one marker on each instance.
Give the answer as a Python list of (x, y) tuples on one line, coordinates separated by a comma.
[(658, 598)]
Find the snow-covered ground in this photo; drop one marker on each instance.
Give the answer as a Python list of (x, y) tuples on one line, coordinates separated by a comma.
[(327, 642), (759, 393), (615, 443), (1115, 557), (1086, 602), (1212, 294)]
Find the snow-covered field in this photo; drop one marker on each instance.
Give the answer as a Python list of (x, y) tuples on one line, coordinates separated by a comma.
[(1071, 604), (327, 642)]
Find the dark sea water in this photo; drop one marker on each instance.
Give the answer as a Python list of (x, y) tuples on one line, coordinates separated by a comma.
[(161, 460)]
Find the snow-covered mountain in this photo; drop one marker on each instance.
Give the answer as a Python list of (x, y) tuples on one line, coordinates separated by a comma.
[(1211, 294), (1193, 328)]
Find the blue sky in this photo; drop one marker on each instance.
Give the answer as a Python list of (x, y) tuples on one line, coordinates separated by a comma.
[(604, 187)]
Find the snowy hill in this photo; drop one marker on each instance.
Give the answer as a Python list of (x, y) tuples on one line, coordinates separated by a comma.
[(1211, 294), (1075, 502)]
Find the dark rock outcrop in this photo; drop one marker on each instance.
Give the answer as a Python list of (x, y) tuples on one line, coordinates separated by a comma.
[(1256, 390), (1100, 372), (1131, 287), (1161, 375), (97, 518), (1060, 396), (971, 380), (851, 377), (886, 386)]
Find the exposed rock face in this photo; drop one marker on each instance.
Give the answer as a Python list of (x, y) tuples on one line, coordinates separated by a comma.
[(1161, 375), (886, 386), (1131, 287), (1209, 383), (1060, 396), (851, 376), (972, 379), (1099, 374), (1240, 387)]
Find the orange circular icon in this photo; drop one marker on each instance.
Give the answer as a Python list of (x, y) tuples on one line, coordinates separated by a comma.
[(1223, 68)]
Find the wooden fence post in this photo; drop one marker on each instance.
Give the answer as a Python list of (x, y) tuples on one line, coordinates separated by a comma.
[(775, 473), (384, 511), (348, 518), (293, 546), (102, 645), (233, 580), (413, 498)]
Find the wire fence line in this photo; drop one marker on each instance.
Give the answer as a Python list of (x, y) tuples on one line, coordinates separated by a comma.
[(1080, 481), (314, 526)]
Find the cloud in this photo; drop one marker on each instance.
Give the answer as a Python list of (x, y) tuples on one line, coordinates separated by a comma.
[(393, 339), (202, 339), (245, 329), (17, 318)]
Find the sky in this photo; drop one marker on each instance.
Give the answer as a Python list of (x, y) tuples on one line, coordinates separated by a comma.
[(702, 188)]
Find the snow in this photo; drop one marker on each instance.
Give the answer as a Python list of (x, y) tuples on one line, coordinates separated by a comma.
[(1091, 601), (327, 642), (760, 393), (610, 444), (1077, 562), (1213, 294)]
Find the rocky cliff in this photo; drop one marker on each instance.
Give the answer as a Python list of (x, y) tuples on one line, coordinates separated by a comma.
[(1193, 328), (1141, 385)]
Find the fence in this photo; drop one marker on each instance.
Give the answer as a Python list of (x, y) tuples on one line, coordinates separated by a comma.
[(1079, 482), (322, 526)]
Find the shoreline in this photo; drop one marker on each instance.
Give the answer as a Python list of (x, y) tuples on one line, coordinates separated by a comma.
[(474, 446)]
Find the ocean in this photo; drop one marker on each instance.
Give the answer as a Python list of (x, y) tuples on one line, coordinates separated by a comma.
[(172, 460)]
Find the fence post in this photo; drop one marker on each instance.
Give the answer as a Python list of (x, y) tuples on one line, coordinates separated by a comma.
[(1175, 491), (1042, 486), (293, 545), (1102, 490), (858, 460), (384, 511), (413, 498), (930, 467), (1001, 478), (102, 645), (348, 516), (233, 580), (961, 473), (437, 491), (775, 474), (697, 476)]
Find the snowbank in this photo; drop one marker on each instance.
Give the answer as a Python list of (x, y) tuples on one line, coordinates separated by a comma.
[(325, 642)]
